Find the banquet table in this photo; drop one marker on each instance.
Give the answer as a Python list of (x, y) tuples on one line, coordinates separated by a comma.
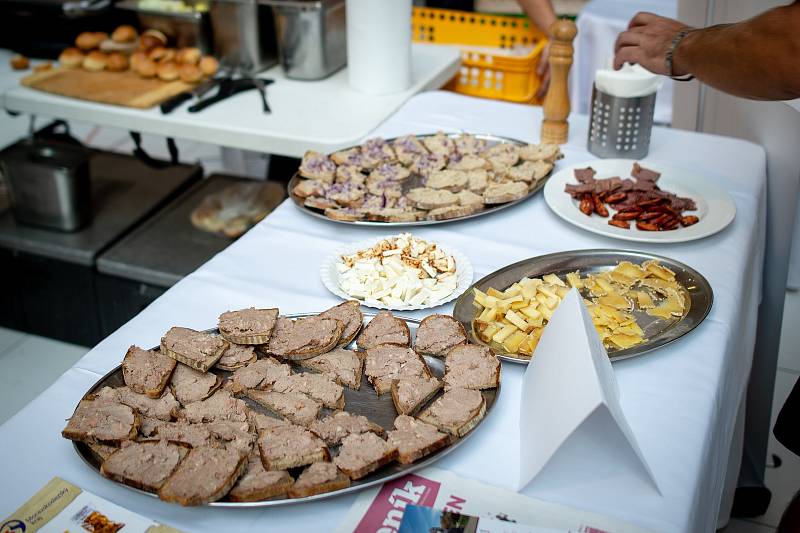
[(681, 401)]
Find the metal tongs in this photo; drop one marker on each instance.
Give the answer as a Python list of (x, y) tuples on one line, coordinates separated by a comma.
[(229, 86), (229, 83)]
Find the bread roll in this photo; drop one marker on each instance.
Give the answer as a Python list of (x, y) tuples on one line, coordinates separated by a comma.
[(159, 54), (71, 58), (209, 66), (151, 39), (41, 67), (136, 60), (188, 56), (117, 62), (95, 61), (124, 34), (20, 62), (147, 68), (168, 71), (190, 73), (87, 40)]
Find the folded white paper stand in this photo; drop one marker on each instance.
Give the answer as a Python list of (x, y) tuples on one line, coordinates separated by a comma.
[(570, 415)]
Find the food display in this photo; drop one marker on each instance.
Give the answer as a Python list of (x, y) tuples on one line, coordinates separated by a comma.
[(330, 402), (515, 318), (398, 271), (420, 179), (636, 301), (147, 55), (638, 201)]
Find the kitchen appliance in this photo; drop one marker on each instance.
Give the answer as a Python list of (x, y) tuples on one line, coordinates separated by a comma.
[(312, 37), (244, 35), (189, 28), (52, 279), (48, 184)]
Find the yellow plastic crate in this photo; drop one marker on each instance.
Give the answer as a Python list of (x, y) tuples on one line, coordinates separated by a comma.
[(484, 73)]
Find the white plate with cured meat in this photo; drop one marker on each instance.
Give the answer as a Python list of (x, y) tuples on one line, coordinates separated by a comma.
[(647, 202)]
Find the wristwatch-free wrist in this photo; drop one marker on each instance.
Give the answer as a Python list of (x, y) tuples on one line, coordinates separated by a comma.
[(671, 52)]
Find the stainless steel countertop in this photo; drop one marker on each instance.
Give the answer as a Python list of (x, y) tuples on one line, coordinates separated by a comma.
[(124, 192), (168, 247)]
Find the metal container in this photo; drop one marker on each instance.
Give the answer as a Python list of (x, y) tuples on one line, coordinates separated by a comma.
[(312, 37), (620, 127), (183, 29), (48, 184), (244, 35)]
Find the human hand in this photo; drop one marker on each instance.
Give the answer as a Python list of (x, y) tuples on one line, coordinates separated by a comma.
[(646, 42), (543, 70)]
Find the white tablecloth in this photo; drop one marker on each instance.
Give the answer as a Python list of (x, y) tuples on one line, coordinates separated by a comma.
[(681, 401), (599, 23)]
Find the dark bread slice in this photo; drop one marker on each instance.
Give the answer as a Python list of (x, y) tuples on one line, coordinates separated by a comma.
[(193, 348), (143, 465), (305, 337), (409, 394), (189, 385), (147, 372), (471, 366), (258, 375), (457, 411), (205, 475), (350, 314), (248, 326), (319, 478), (102, 422), (319, 387), (257, 484), (332, 429), (384, 328), (102, 451), (219, 406), (164, 408), (290, 446), (363, 453), (236, 356), (293, 406), (343, 366), (415, 439), (388, 362), (437, 334)]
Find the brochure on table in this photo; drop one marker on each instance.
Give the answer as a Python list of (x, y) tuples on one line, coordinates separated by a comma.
[(382, 508), (61, 506), (569, 388)]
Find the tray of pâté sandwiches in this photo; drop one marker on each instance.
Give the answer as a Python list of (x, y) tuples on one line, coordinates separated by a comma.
[(271, 410), (421, 179), (637, 301)]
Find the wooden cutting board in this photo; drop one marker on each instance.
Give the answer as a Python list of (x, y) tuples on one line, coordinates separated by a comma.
[(118, 88)]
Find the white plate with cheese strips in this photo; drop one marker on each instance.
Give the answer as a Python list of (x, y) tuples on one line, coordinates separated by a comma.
[(400, 273)]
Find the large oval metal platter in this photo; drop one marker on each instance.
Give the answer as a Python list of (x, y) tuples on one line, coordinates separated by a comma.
[(658, 332), (415, 181), (378, 409)]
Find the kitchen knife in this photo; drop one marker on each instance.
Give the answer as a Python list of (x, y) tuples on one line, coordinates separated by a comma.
[(170, 104)]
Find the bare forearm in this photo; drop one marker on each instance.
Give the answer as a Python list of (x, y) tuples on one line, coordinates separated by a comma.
[(541, 12), (756, 59)]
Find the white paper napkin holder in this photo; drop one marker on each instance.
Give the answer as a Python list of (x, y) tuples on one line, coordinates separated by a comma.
[(570, 416)]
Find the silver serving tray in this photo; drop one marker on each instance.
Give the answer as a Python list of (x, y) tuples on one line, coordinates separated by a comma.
[(658, 332), (379, 409), (414, 181)]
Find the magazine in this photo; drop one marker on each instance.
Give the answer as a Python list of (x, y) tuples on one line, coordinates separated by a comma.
[(381, 509)]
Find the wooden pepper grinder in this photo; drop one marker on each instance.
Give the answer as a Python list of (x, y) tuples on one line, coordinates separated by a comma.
[(555, 127)]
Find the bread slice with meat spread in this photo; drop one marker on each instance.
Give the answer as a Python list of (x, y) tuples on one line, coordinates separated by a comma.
[(147, 372), (457, 411), (319, 478)]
